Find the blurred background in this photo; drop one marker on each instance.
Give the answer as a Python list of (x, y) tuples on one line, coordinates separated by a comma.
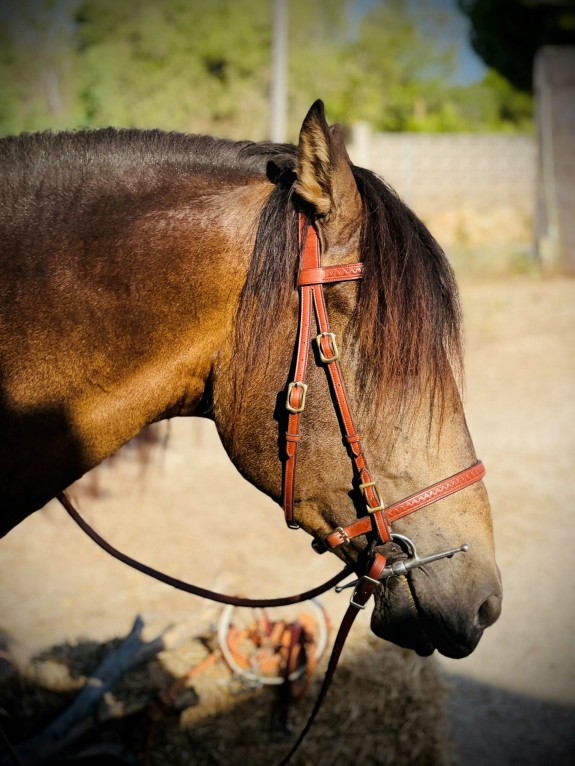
[(475, 91), (467, 108)]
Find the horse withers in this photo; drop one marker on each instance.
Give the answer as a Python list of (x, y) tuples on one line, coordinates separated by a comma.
[(146, 275)]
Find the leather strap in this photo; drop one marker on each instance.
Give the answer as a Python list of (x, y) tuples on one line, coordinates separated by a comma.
[(188, 587), (326, 274), (408, 505), (362, 594), (295, 401), (311, 293), (349, 431)]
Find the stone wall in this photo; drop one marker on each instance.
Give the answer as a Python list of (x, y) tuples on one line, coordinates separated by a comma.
[(472, 190)]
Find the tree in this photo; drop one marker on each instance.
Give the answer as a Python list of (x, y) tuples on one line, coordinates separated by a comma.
[(507, 33), (184, 65), (204, 67), (385, 71)]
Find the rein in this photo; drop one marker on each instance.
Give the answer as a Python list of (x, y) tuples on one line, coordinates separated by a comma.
[(195, 590), (387, 554)]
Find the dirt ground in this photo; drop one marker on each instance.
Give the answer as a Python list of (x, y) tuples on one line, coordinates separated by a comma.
[(511, 702)]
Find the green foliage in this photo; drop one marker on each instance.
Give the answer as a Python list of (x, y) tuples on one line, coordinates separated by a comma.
[(507, 33), (494, 104), (490, 105), (384, 72), (200, 66), (192, 66)]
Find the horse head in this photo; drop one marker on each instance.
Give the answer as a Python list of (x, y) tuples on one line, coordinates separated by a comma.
[(398, 339), (175, 292)]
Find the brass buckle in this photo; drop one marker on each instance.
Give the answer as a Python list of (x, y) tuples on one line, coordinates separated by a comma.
[(291, 386), (381, 505), (334, 348), (343, 533)]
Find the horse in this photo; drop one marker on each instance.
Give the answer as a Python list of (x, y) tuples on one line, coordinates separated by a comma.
[(148, 274)]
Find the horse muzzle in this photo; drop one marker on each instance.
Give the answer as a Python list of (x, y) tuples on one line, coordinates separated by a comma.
[(415, 610)]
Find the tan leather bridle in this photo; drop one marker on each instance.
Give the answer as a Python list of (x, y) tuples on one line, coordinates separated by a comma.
[(377, 521), (311, 280), (376, 524)]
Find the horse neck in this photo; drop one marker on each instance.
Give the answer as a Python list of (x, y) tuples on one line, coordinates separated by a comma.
[(215, 245), (196, 258), (138, 299)]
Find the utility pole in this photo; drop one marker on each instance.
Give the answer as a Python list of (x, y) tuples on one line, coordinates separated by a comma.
[(278, 106)]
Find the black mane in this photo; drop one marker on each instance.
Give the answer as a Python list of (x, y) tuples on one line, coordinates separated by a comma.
[(406, 332), (113, 151), (118, 172)]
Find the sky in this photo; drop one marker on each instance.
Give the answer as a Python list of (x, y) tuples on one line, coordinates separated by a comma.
[(470, 67)]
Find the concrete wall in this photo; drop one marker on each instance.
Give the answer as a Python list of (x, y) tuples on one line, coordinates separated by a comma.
[(472, 190)]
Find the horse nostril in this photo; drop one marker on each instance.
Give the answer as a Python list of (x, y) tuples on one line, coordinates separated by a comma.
[(489, 611)]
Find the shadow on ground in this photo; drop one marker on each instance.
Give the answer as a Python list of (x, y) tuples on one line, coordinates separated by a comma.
[(386, 706), (491, 726)]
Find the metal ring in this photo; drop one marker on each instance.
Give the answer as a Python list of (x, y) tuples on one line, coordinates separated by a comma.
[(404, 539)]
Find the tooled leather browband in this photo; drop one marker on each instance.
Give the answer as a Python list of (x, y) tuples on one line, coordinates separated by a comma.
[(404, 507), (312, 276), (326, 274)]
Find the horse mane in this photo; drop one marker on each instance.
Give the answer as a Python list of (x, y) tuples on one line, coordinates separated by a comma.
[(117, 173), (111, 152), (406, 330), (408, 300)]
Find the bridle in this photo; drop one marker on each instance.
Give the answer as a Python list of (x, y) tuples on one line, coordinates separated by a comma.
[(311, 279), (387, 554), (377, 523)]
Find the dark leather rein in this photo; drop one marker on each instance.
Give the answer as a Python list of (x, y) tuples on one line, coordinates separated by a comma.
[(384, 545)]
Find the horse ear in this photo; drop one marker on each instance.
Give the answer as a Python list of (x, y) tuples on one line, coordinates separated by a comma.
[(323, 167)]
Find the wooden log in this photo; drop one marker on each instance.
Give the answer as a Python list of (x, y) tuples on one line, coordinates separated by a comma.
[(82, 715)]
